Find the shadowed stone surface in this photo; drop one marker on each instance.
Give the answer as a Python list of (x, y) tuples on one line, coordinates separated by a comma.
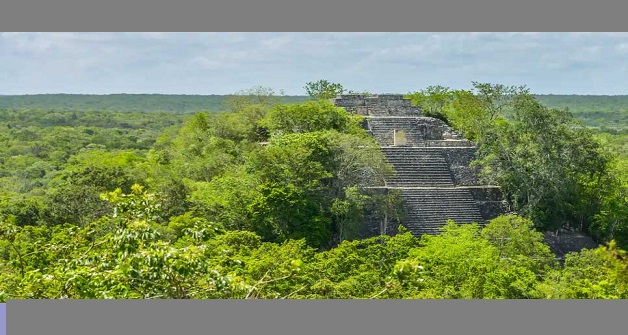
[(419, 131), (563, 242)]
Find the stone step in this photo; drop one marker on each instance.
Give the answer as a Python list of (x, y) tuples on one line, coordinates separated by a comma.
[(406, 127), (413, 157), (432, 208), (409, 162), (419, 168), (422, 169), (429, 209), (422, 174), (425, 231), (415, 150), (440, 221), (440, 206), (435, 166), (419, 164), (465, 210), (443, 219), (419, 183), (411, 180), (402, 151), (418, 151), (407, 177)]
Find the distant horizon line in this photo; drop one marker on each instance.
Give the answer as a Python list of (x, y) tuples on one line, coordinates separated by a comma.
[(286, 95)]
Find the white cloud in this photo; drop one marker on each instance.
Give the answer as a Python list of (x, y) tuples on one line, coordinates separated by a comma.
[(199, 63), (277, 42), (207, 64), (622, 48)]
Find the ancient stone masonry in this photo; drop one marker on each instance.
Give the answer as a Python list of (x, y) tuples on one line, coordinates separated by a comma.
[(432, 164)]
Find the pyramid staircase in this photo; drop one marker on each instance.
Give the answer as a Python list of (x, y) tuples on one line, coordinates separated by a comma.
[(423, 163)]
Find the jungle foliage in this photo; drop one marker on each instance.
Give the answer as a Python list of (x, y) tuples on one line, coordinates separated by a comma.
[(262, 198)]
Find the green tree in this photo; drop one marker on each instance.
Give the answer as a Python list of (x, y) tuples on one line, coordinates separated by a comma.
[(498, 99), (101, 169), (548, 167), (196, 154), (507, 259), (611, 222), (466, 112), (310, 116), (323, 89), (348, 213), (292, 173), (432, 100), (227, 199), (600, 273), (264, 97)]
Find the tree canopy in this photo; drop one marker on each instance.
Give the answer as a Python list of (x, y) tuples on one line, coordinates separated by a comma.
[(265, 198), (323, 89)]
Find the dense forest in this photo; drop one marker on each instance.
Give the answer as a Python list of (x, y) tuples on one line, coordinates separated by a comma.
[(259, 195), (123, 102), (593, 110), (609, 112)]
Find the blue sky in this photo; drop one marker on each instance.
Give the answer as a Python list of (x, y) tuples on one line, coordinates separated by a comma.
[(223, 63)]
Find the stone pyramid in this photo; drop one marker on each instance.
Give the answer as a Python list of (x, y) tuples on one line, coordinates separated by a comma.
[(432, 164)]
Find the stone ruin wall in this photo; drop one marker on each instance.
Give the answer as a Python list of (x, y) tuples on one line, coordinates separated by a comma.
[(565, 241), (382, 105), (459, 160)]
